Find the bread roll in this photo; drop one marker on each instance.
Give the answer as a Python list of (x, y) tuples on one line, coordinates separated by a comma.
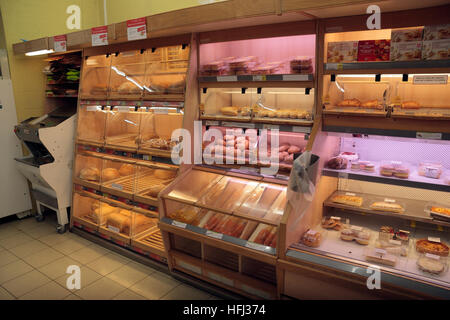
[(153, 191), (293, 149), (164, 174), (229, 111), (410, 105), (126, 169), (100, 211), (91, 174), (110, 174)]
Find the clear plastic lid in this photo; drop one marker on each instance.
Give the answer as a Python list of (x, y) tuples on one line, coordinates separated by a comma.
[(88, 168), (264, 235), (396, 169), (142, 224), (91, 124), (432, 264), (83, 208), (359, 234), (387, 204), (127, 75), (95, 77), (437, 210), (228, 193), (188, 191), (150, 181), (261, 200), (381, 256), (391, 246), (119, 221), (430, 169), (122, 127)]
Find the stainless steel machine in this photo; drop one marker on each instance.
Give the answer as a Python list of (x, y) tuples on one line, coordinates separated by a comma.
[(50, 139)]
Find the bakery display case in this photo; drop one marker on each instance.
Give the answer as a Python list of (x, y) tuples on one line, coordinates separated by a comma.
[(165, 73), (122, 128), (88, 210), (95, 77), (146, 236), (118, 176), (374, 207), (91, 125), (151, 178), (157, 125), (227, 103), (88, 169), (127, 75)]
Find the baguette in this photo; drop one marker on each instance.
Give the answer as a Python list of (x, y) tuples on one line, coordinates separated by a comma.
[(387, 206), (410, 105), (249, 230)]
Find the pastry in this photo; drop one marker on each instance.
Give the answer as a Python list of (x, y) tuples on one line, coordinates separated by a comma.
[(349, 103), (362, 237), (284, 147), (410, 105), (387, 206), (154, 190), (126, 169), (355, 166), (387, 170), (311, 238), (437, 248), (372, 104), (293, 149), (369, 167), (229, 111), (348, 200), (164, 174), (401, 172), (386, 233), (110, 174), (332, 223), (350, 156), (90, 174), (440, 210), (337, 163), (402, 235), (359, 234), (381, 257), (347, 234), (186, 215), (430, 169), (431, 265)]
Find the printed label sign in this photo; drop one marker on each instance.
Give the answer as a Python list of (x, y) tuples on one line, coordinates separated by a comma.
[(430, 79), (226, 78), (60, 43), (99, 36), (179, 224), (213, 234), (137, 29), (432, 239)]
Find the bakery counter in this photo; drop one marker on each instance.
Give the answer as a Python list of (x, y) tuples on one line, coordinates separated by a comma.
[(413, 180), (370, 204)]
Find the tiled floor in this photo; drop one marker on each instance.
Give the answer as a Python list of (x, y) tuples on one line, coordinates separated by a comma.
[(34, 260)]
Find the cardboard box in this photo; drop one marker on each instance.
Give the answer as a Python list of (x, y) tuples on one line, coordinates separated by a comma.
[(406, 51), (436, 32), (406, 34), (344, 51), (374, 50), (436, 49)]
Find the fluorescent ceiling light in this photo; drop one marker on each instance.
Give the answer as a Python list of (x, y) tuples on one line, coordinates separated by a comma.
[(39, 52)]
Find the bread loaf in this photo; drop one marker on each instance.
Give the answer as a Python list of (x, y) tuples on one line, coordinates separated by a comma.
[(153, 191), (90, 174), (410, 105), (229, 111), (126, 169), (110, 174), (164, 174)]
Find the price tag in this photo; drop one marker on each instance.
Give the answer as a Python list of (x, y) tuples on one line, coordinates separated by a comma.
[(295, 77), (215, 235), (356, 228), (60, 43), (332, 66), (117, 186), (226, 78), (259, 78), (239, 125), (271, 127), (395, 242), (123, 108), (336, 218), (161, 111), (114, 229), (389, 200), (432, 256), (179, 224), (301, 129), (137, 29), (380, 251), (430, 79), (343, 175), (255, 246), (429, 135), (340, 66), (350, 194), (433, 239), (92, 108), (99, 36), (212, 123)]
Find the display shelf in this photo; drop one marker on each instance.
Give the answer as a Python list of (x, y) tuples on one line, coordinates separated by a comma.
[(220, 236), (388, 67), (258, 81), (61, 96), (414, 209), (414, 180), (298, 127), (150, 241)]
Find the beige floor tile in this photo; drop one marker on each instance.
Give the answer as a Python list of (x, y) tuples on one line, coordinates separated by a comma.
[(13, 270), (26, 283), (7, 232), (107, 263), (102, 289), (88, 254), (7, 257), (43, 257), (5, 295), (58, 268), (41, 231), (15, 240), (28, 248), (69, 246), (154, 286), (49, 291), (128, 295), (27, 224), (53, 239), (88, 276), (128, 275), (186, 292), (72, 297)]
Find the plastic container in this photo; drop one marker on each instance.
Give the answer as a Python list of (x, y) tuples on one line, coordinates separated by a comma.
[(381, 256), (394, 247), (432, 264), (122, 128), (433, 246), (387, 205), (395, 169), (430, 169), (311, 238), (438, 210), (359, 234)]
